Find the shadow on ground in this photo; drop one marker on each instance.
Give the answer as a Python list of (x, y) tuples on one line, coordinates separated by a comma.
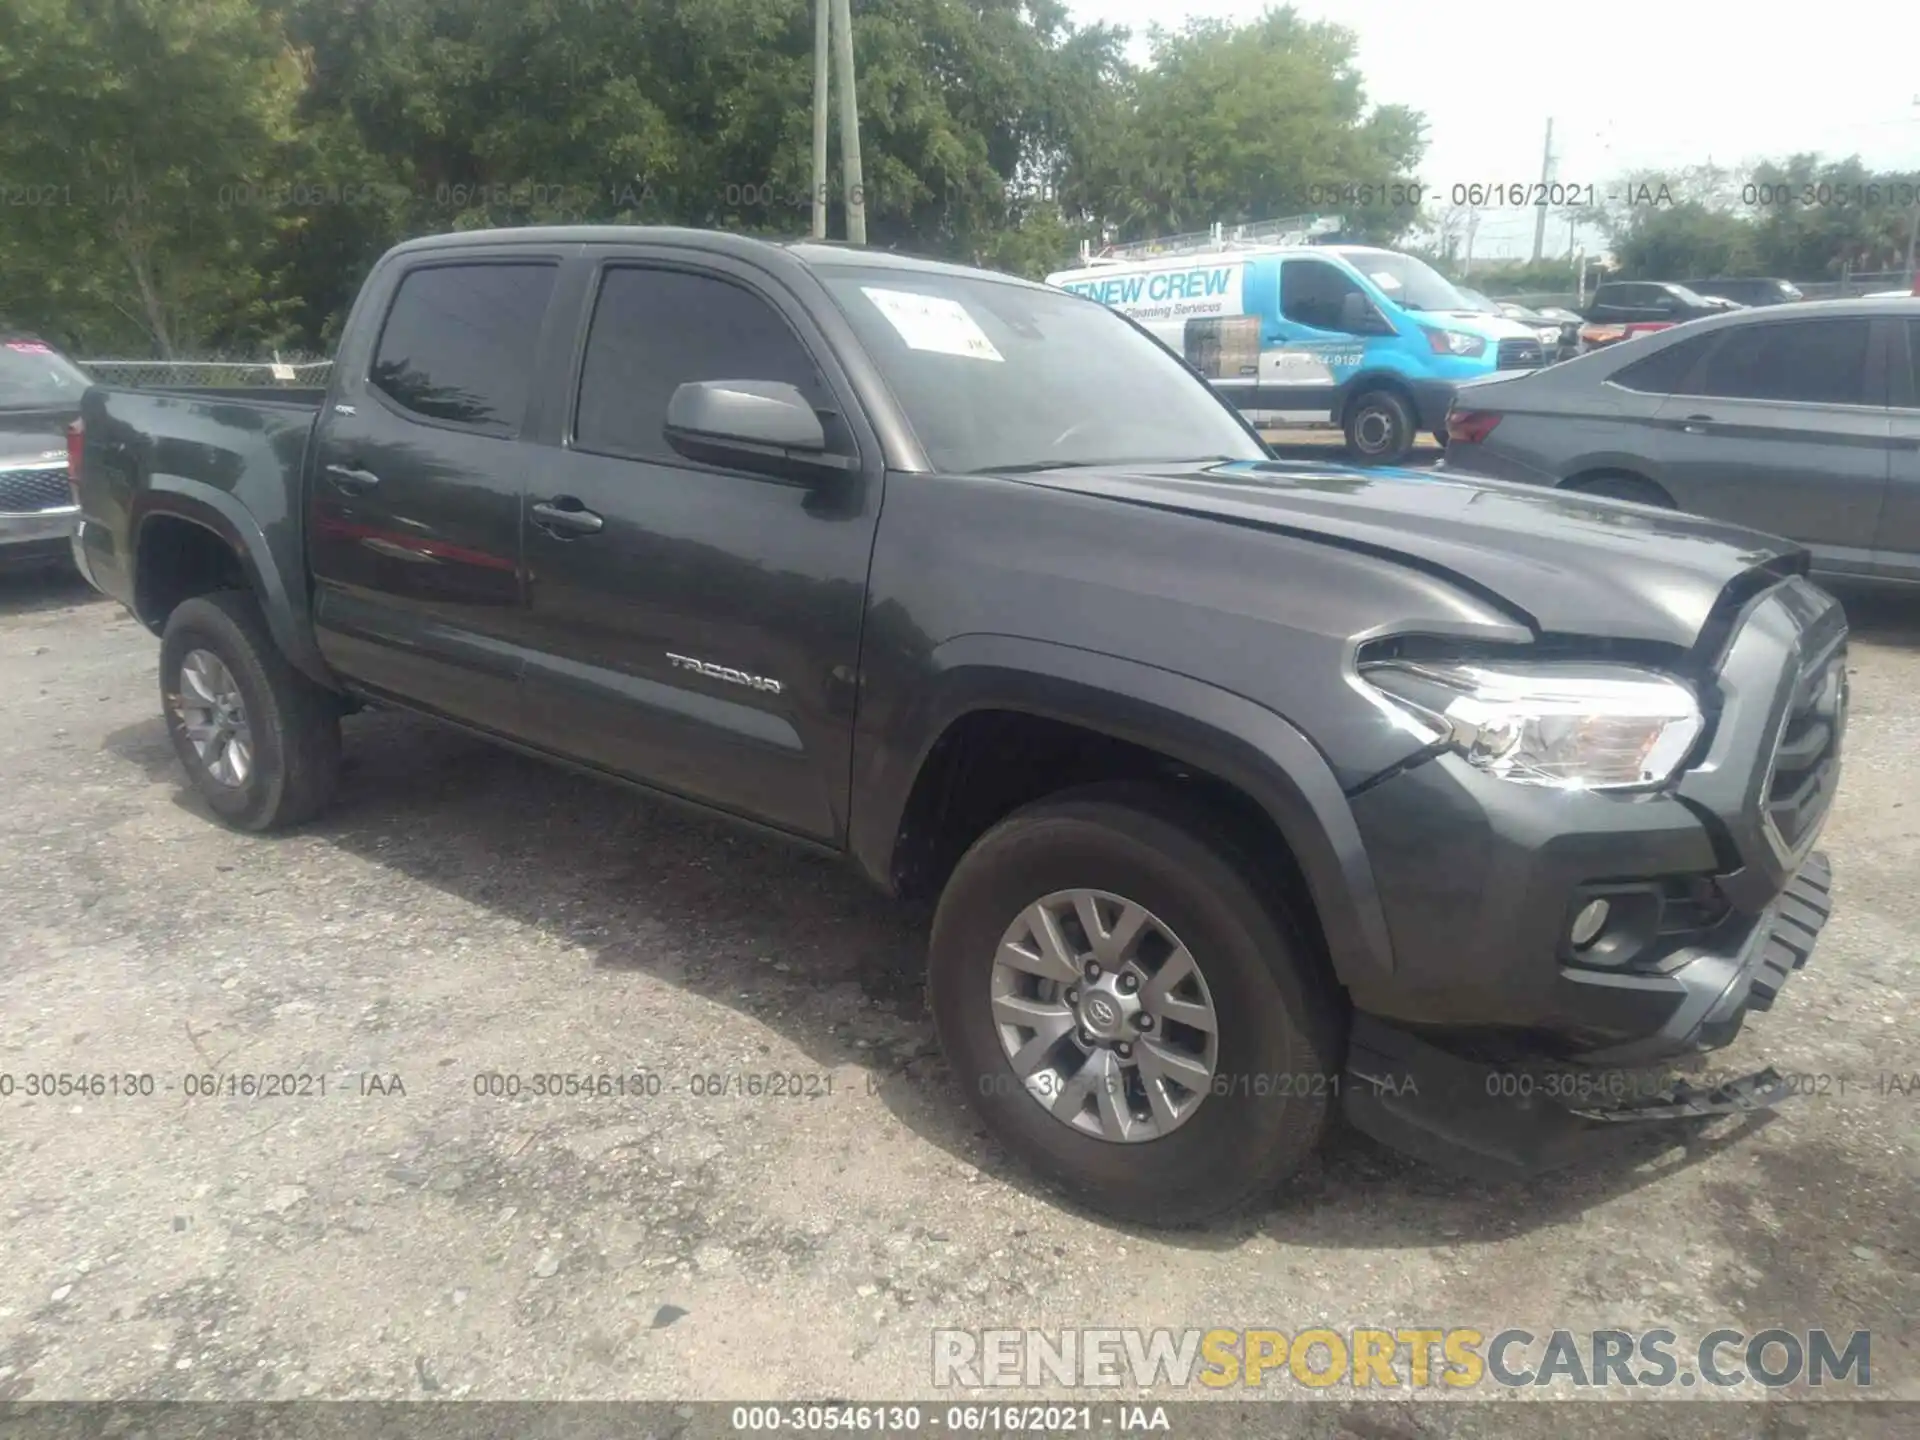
[(597, 866), (25, 589)]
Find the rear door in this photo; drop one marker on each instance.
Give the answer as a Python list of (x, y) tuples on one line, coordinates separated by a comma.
[(1784, 426), (694, 627), (1897, 543), (414, 487)]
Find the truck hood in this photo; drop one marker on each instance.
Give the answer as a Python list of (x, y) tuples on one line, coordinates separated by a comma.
[(1562, 564)]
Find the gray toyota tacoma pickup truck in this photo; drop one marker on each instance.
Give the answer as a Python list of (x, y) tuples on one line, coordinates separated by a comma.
[(1247, 789)]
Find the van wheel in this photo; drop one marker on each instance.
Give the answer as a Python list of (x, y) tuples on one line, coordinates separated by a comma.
[(260, 740), (1623, 487), (1124, 1011), (1380, 427)]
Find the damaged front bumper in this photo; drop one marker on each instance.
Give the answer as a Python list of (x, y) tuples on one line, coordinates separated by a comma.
[(1522, 1117)]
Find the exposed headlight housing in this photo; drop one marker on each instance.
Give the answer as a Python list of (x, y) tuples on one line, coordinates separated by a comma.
[(1565, 725)]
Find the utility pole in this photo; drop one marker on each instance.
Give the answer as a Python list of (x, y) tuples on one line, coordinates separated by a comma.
[(849, 125), (822, 15), (1473, 224), (1546, 178), (1913, 233)]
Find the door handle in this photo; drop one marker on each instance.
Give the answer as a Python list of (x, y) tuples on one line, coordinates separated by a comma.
[(347, 478), (1697, 424), (563, 515)]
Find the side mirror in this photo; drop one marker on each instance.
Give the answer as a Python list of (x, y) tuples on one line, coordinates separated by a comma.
[(762, 425), (1358, 317)]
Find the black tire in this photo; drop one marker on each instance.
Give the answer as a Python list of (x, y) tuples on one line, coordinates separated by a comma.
[(1380, 427), (295, 724), (1277, 1017), (1623, 487)]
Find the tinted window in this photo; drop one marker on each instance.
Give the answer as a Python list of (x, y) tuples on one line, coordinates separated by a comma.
[(458, 343), (1311, 292), (1661, 372), (1819, 360), (994, 374), (656, 330)]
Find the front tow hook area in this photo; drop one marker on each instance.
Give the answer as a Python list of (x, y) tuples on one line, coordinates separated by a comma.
[(1469, 1117), (1762, 1090)]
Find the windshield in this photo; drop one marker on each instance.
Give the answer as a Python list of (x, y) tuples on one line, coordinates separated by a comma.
[(32, 376), (1411, 284), (1476, 301), (996, 376)]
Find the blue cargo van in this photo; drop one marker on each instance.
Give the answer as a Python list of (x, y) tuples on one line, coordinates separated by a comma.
[(1372, 340)]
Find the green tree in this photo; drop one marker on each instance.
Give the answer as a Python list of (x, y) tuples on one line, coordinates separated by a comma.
[(123, 126), (1237, 123)]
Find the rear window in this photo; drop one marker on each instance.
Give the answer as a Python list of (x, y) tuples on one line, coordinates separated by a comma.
[(33, 376), (1810, 361), (458, 345)]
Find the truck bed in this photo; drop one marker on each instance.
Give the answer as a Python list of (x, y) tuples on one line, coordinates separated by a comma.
[(230, 460)]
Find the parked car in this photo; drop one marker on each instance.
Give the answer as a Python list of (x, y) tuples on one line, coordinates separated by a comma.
[(1559, 330), (1371, 339), (40, 394), (1621, 302), (1749, 289), (1598, 337), (1545, 330), (1246, 787), (1801, 421)]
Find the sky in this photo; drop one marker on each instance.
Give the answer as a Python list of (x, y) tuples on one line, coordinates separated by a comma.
[(1690, 81)]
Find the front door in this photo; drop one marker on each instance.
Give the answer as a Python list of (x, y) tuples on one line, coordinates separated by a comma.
[(413, 521), (1897, 544), (1313, 353), (1784, 426), (693, 627)]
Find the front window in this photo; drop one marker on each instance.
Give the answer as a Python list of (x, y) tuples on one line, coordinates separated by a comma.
[(995, 375), (34, 377), (1411, 284)]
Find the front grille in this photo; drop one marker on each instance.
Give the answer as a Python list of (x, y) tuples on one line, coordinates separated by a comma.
[(1806, 761), (1520, 355), (25, 491)]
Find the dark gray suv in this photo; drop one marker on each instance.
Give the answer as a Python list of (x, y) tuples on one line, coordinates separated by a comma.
[(1801, 420)]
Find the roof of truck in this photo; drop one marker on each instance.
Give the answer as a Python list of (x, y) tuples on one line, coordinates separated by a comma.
[(816, 254)]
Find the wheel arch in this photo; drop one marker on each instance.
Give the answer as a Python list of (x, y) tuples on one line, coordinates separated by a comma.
[(171, 500), (1200, 730)]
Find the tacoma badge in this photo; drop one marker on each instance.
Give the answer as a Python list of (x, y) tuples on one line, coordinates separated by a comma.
[(722, 672)]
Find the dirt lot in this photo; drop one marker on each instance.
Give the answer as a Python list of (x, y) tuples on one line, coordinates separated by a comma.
[(467, 913)]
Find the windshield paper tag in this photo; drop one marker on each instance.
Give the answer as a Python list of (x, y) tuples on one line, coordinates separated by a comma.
[(927, 322)]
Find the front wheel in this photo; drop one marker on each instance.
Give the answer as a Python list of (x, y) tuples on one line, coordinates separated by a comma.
[(1380, 427), (260, 741), (1124, 1011)]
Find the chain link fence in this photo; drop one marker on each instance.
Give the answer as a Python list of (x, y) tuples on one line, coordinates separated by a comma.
[(221, 374)]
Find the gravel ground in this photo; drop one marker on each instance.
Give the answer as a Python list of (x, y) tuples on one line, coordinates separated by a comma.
[(466, 912)]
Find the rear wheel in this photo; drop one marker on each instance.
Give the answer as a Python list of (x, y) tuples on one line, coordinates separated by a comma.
[(1380, 427), (260, 741), (1621, 486), (1124, 1011)]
